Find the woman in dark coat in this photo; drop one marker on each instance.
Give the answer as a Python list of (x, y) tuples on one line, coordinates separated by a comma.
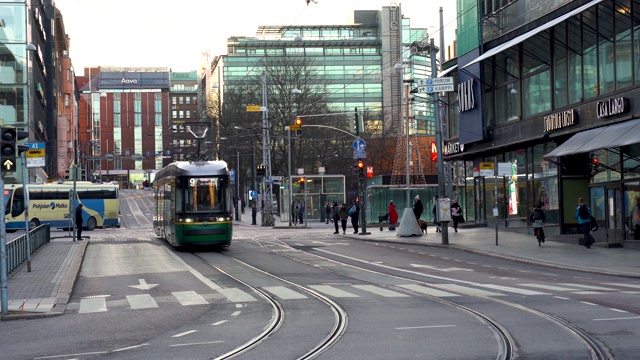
[(456, 214)]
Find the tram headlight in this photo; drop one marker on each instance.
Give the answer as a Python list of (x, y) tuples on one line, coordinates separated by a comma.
[(185, 220), (224, 218)]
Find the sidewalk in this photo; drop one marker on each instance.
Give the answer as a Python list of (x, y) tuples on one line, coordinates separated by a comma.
[(46, 290)]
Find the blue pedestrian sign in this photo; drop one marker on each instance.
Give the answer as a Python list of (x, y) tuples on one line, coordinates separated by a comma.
[(359, 145)]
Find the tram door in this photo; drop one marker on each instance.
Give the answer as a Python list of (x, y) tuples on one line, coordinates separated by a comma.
[(480, 199), (615, 215)]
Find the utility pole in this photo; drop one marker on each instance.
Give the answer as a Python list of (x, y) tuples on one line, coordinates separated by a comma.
[(266, 159), (436, 99)]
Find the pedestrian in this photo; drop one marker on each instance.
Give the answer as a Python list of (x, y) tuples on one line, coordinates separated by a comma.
[(434, 212), (456, 214), (254, 214), (79, 222), (294, 213), (635, 219), (417, 208), (537, 218), (393, 216), (328, 212), (344, 214), (583, 215), (354, 212), (301, 212), (242, 206), (335, 215)]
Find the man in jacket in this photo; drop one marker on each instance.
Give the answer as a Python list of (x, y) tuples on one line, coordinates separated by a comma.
[(583, 215), (355, 216), (79, 222)]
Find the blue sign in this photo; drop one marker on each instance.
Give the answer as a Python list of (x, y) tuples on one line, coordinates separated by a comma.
[(39, 145), (253, 194), (359, 145), (232, 175)]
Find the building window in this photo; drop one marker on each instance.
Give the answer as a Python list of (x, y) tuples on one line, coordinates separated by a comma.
[(181, 114), (158, 119), (181, 100), (137, 119), (188, 99), (174, 100), (66, 100), (188, 114)]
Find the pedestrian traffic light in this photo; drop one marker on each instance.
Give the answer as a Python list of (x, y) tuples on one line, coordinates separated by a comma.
[(302, 182), (9, 149)]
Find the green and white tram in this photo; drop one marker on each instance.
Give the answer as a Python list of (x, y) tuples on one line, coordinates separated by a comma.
[(193, 203)]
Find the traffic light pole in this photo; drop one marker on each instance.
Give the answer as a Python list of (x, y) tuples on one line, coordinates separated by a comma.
[(25, 191), (4, 279)]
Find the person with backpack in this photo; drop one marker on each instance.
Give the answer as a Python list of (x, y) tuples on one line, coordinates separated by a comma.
[(354, 213), (538, 218), (583, 215), (343, 213)]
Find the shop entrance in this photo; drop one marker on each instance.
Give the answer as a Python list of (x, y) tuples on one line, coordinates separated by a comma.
[(615, 219), (480, 197)]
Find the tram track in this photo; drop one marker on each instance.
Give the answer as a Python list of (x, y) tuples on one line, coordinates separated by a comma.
[(340, 315), (506, 344)]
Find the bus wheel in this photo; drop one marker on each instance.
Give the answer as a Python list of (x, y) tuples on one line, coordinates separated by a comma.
[(34, 223), (91, 224)]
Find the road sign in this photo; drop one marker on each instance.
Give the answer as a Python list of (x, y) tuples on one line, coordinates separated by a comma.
[(294, 127), (253, 108), (359, 145), (435, 81), (486, 169), (277, 178), (359, 154), (35, 155), (435, 88)]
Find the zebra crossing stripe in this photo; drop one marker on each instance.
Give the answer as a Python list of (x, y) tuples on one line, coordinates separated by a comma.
[(141, 301), (333, 291), (590, 287), (284, 293), (236, 295), (92, 305), (189, 298), (474, 291), (549, 287), (624, 285), (512, 289), (428, 290), (379, 291)]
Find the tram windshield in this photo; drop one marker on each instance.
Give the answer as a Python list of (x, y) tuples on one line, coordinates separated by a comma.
[(205, 195)]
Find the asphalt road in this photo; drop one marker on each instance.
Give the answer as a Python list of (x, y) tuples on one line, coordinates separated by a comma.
[(292, 294)]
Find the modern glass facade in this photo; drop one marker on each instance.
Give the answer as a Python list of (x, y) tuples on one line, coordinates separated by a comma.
[(555, 85)]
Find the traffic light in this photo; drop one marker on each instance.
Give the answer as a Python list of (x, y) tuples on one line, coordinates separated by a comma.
[(359, 168), (302, 182), (9, 148), (261, 170), (298, 126)]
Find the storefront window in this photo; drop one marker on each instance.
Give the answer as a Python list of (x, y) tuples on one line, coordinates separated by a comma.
[(545, 182), (624, 68), (537, 93), (516, 192), (574, 61), (606, 50), (590, 58), (560, 65), (605, 165), (631, 162)]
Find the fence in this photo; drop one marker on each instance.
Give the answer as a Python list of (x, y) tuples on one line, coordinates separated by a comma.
[(17, 248)]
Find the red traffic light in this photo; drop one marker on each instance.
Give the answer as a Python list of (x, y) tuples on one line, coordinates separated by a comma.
[(301, 181), (360, 165), (595, 160)]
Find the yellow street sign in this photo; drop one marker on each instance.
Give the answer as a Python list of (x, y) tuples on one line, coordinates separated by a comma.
[(35, 153), (486, 166), (253, 108), (294, 127)]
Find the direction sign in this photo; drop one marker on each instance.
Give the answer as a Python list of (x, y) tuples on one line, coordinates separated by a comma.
[(435, 81), (435, 89), (359, 154), (253, 108), (359, 145)]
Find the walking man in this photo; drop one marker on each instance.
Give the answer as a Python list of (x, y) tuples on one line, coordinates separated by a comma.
[(79, 222), (583, 215)]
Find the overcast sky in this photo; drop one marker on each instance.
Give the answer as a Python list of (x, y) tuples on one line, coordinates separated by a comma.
[(175, 34)]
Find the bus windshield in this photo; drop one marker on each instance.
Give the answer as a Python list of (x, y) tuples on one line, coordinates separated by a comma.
[(205, 195), (7, 198)]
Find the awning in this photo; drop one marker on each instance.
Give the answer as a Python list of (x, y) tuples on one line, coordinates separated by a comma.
[(445, 72), (528, 34), (604, 137)]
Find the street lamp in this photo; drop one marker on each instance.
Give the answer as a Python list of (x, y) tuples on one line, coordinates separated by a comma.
[(253, 157)]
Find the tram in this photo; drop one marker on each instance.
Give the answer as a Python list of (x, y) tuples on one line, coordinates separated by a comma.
[(194, 203)]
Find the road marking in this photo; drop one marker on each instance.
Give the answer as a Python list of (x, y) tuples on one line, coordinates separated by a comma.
[(184, 333), (198, 343), (236, 295), (219, 322), (470, 290), (193, 271), (588, 303), (588, 292), (624, 285), (424, 327), (589, 287), (512, 289), (561, 298), (549, 287), (92, 305), (623, 318), (333, 291), (440, 269), (284, 293), (130, 347), (189, 298), (73, 355), (235, 313), (142, 301), (428, 291), (618, 310), (380, 291)]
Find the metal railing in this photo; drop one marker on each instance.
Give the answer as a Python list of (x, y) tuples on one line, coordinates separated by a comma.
[(17, 248)]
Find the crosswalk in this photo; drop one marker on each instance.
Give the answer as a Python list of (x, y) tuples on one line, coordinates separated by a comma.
[(235, 295)]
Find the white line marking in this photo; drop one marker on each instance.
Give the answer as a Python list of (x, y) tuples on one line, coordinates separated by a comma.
[(219, 322), (187, 298), (549, 287), (618, 310), (469, 290), (512, 289), (624, 285), (588, 303), (333, 291), (239, 306), (588, 292), (72, 355), (380, 291), (561, 298), (235, 313), (142, 301), (130, 347), (236, 295), (589, 287), (624, 318), (284, 293), (428, 290), (424, 327), (184, 333), (193, 271), (92, 305), (199, 343)]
